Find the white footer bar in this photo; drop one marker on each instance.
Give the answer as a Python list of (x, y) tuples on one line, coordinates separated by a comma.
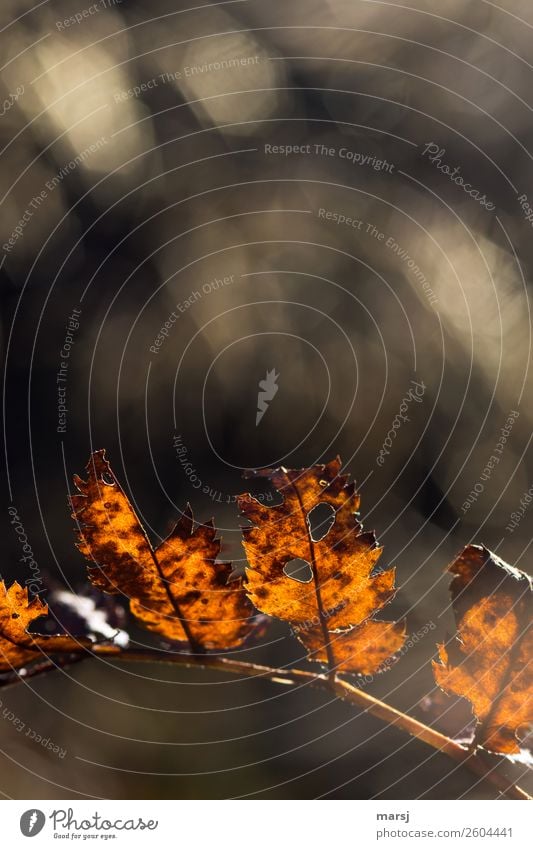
[(268, 824)]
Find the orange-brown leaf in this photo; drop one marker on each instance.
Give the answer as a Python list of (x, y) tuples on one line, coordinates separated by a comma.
[(18, 647), (489, 662), (365, 648), (178, 589), (345, 592)]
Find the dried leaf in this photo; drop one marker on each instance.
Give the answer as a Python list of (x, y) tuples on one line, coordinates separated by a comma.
[(332, 612), (17, 646), (363, 649), (178, 589), (489, 662)]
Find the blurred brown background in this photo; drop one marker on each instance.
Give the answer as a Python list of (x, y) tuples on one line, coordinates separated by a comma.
[(141, 130)]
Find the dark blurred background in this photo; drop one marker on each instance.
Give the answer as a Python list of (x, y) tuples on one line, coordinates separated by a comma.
[(139, 178)]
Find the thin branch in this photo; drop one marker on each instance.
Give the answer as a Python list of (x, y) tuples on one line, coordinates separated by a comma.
[(472, 760)]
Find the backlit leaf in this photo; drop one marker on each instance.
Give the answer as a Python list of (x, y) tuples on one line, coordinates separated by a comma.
[(178, 589), (332, 613), (490, 660), (18, 647)]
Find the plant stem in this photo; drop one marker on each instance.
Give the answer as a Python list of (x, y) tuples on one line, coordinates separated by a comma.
[(473, 761)]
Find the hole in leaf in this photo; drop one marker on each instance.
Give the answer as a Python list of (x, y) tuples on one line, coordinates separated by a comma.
[(320, 520), (108, 479), (299, 570)]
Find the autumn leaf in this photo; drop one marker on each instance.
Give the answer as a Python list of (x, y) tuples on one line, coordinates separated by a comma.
[(178, 589), (489, 662), (332, 612), (18, 647)]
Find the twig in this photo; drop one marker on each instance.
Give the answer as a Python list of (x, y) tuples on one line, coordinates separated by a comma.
[(472, 760)]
